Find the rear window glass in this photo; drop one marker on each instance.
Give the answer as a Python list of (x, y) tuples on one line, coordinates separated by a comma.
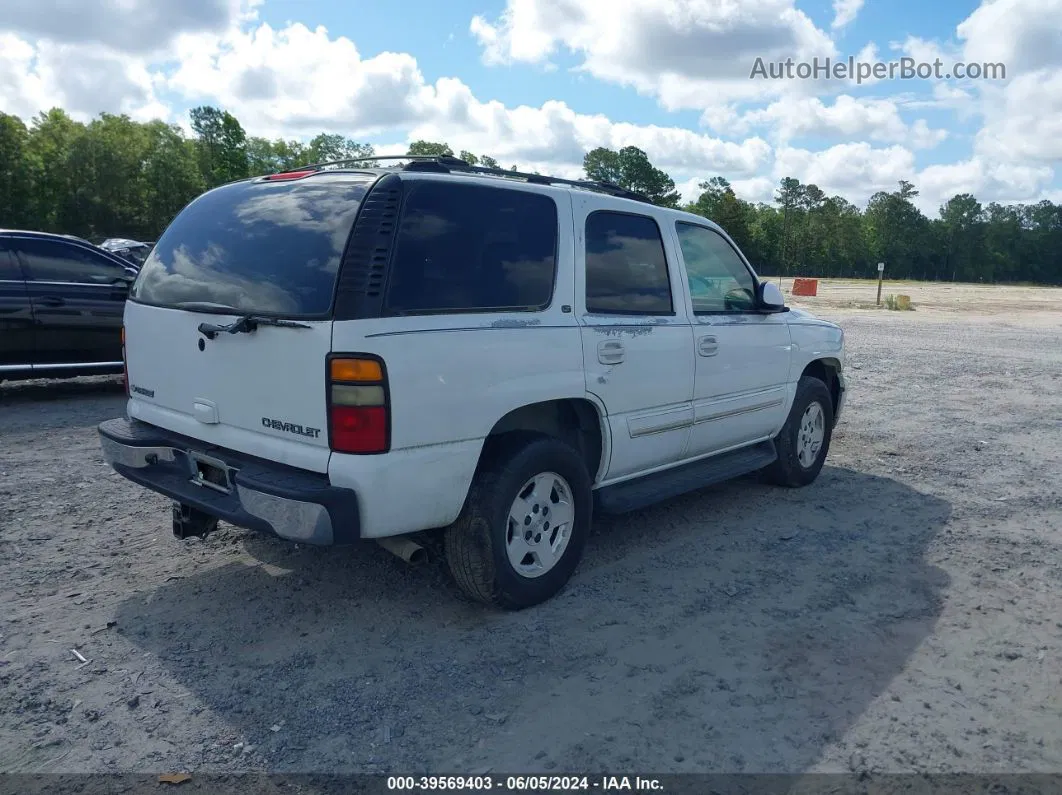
[(472, 248), (256, 247)]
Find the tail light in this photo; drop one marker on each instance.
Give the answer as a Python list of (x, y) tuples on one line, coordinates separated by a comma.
[(125, 366), (359, 412)]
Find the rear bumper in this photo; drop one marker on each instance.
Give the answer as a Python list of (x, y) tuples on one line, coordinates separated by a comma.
[(260, 495)]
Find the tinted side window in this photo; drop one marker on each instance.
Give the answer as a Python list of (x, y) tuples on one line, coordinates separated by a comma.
[(719, 280), (9, 269), (471, 248), (52, 261), (626, 269)]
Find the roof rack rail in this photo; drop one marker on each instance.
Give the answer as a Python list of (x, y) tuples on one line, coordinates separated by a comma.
[(448, 163), (440, 160)]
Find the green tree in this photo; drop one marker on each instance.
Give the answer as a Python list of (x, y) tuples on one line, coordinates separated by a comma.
[(114, 176), (899, 235), (963, 234), (430, 149), (49, 150), (789, 196), (222, 145), (171, 177), (16, 189), (630, 168), (326, 148), (718, 202)]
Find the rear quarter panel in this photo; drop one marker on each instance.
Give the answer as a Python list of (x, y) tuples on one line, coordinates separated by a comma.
[(451, 378)]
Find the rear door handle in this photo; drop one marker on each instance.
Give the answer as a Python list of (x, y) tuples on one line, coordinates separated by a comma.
[(610, 352), (707, 346), (51, 300)]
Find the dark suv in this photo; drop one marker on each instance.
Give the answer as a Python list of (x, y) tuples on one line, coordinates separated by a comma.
[(61, 306)]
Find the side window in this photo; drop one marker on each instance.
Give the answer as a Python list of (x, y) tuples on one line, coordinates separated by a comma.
[(719, 280), (9, 269), (472, 248), (52, 261), (626, 268)]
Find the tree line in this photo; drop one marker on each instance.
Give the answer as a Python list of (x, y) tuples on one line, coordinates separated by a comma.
[(115, 177)]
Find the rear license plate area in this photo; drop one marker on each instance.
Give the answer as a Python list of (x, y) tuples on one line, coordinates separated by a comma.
[(210, 473)]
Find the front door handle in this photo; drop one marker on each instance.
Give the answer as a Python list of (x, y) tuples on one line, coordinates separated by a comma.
[(707, 346), (610, 352), (51, 300)]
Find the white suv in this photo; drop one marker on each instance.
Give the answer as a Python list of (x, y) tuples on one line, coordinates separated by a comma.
[(358, 352)]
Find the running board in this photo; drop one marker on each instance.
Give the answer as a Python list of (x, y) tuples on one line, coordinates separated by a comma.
[(642, 492)]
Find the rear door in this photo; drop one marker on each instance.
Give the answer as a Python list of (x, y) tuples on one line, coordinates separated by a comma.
[(16, 314), (78, 296), (637, 340), (270, 249)]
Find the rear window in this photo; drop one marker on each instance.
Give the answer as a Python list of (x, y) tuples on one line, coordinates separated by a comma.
[(266, 248), (472, 248)]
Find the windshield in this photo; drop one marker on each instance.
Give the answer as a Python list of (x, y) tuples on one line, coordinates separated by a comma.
[(267, 248)]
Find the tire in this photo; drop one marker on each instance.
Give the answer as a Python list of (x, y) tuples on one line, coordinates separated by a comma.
[(477, 546), (790, 469)]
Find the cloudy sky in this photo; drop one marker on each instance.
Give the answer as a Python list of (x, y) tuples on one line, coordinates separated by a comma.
[(539, 82)]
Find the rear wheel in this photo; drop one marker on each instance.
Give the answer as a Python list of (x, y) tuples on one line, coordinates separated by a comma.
[(805, 438), (524, 525)]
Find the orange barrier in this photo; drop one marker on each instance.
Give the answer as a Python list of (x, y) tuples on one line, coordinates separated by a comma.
[(805, 286)]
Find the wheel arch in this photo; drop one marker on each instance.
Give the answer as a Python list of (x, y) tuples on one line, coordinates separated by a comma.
[(827, 370), (578, 421)]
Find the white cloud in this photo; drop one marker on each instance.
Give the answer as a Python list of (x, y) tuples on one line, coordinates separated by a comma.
[(1022, 34), (847, 117), (122, 25), (687, 53), (83, 79), (754, 189), (1022, 115), (845, 12), (287, 80), (1024, 120), (297, 81), (988, 181), (282, 82), (854, 170)]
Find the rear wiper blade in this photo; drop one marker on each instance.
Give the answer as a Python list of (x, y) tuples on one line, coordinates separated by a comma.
[(246, 325)]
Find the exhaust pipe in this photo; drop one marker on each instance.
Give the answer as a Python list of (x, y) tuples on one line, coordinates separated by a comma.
[(404, 547)]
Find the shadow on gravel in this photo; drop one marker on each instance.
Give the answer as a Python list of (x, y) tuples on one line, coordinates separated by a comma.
[(77, 403), (738, 629)]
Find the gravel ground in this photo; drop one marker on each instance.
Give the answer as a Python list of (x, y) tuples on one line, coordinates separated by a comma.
[(900, 614)]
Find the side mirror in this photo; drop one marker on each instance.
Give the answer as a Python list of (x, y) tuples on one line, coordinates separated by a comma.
[(771, 297)]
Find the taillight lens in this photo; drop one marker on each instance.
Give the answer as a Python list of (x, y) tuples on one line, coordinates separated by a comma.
[(359, 418), (125, 366)]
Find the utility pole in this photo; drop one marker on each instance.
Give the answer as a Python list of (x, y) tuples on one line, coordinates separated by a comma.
[(881, 274)]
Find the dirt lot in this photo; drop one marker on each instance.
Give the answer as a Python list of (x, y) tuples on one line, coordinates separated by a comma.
[(903, 613)]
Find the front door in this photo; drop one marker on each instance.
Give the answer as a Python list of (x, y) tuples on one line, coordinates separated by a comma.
[(637, 342), (742, 371)]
